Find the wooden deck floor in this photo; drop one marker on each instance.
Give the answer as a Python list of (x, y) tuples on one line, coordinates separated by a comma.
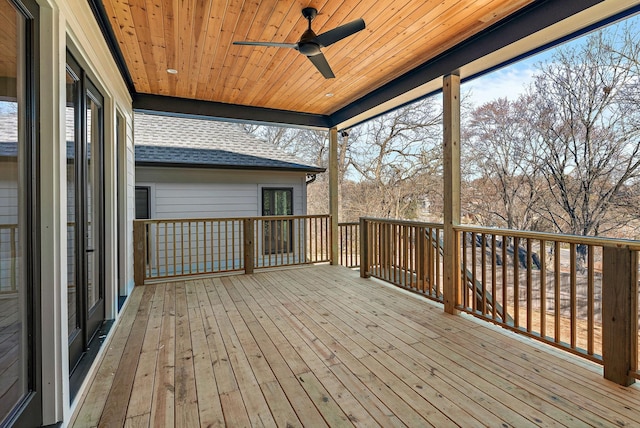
[(320, 346)]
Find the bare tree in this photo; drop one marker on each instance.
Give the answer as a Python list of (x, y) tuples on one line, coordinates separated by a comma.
[(308, 145), (501, 165), (587, 135), (394, 157), (564, 157)]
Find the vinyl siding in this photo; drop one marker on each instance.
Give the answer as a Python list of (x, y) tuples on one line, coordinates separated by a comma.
[(130, 201), (199, 193)]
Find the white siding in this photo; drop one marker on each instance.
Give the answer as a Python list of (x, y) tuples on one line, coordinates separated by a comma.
[(130, 200), (71, 24), (201, 193)]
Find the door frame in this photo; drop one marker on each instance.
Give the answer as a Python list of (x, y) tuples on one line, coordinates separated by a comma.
[(28, 412), (89, 318)]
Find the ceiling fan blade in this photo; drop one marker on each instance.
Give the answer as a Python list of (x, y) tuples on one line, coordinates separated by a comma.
[(270, 44), (322, 65), (339, 33)]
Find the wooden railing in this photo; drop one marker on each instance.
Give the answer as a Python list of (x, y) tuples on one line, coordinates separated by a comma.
[(8, 258), (349, 244), (576, 293), (573, 292), (404, 253), (185, 247), (549, 287)]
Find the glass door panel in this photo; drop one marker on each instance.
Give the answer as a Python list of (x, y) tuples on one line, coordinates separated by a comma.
[(18, 246), (72, 294), (93, 209), (84, 208)]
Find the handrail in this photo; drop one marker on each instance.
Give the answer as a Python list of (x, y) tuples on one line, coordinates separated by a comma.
[(265, 217), (567, 238), (404, 222)]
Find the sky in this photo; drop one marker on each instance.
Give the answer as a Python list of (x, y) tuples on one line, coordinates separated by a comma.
[(511, 81), (508, 82)]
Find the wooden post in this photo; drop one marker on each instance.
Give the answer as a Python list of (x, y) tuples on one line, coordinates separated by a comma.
[(619, 321), (139, 251), (419, 258), (333, 193), (451, 143), (248, 250), (364, 249)]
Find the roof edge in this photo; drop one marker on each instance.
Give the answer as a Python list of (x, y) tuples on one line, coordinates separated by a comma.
[(309, 169), (531, 19)]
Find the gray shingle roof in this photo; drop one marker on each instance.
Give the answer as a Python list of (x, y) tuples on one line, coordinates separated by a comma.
[(186, 142), (9, 133), (176, 141)]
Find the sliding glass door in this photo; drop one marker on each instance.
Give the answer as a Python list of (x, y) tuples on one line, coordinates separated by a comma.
[(85, 205), (20, 400)]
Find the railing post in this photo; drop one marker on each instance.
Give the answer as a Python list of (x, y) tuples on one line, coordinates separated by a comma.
[(619, 319), (364, 249), (139, 251), (333, 194), (248, 249), (419, 255), (451, 149)]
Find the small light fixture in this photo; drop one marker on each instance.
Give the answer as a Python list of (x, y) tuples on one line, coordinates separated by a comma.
[(172, 71), (329, 94)]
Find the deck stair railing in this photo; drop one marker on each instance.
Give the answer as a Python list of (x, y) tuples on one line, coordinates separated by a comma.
[(415, 258), (405, 253), (576, 293)]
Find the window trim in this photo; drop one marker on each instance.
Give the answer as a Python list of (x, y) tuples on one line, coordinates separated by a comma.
[(135, 201), (274, 250), (267, 188)]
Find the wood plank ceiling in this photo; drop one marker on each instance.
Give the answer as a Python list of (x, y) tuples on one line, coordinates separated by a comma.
[(195, 38), (8, 46)]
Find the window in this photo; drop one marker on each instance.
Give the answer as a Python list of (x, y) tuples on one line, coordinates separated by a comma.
[(143, 203), (277, 201), (278, 234)]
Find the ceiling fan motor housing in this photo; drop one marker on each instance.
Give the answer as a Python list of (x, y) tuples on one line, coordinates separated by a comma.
[(308, 45)]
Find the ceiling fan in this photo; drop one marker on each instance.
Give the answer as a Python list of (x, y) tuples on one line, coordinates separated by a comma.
[(310, 43)]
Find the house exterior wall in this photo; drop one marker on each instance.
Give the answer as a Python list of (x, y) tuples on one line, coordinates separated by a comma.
[(63, 25), (205, 193)]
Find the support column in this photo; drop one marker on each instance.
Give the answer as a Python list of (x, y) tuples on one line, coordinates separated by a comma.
[(619, 319), (333, 192), (451, 151)]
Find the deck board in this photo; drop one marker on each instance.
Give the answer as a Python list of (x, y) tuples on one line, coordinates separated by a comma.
[(320, 346)]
